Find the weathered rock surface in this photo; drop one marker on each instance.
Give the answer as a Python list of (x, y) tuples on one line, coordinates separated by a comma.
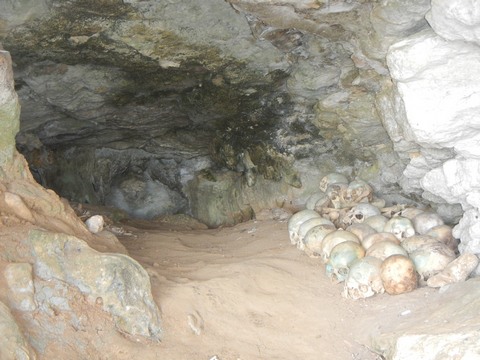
[(448, 331), (115, 281), (46, 271), (436, 81), (434, 74), (9, 111), (21, 292), (152, 106), (456, 19), (184, 91), (13, 345)]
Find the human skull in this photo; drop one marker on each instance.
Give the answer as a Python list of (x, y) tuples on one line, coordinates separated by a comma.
[(336, 193), (359, 213), (359, 191), (424, 221), (377, 237), (363, 279), (377, 222), (444, 234), (317, 200), (415, 242), (332, 178), (312, 242), (384, 249), (400, 227), (341, 256), (432, 258), (361, 230), (398, 274), (306, 226), (298, 219), (335, 238)]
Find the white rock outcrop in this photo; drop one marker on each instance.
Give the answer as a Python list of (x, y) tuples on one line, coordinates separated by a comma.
[(436, 78), (456, 19), (437, 81)]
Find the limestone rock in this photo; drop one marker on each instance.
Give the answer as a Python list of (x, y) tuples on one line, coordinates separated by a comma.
[(95, 223), (143, 197), (436, 81), (116, 281), (399, 17), (20, 283), (9, 110), (448, 330), (458, 270), (456, 19), (468, 230), (456, 181), (17, 206), (13, 345)]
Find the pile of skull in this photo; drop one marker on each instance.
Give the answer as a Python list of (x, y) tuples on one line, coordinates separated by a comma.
[(375, 249)]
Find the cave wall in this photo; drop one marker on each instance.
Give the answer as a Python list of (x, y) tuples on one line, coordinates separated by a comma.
[(142, 104), (50, 263)]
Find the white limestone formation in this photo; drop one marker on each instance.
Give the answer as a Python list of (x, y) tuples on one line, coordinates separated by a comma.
[(456, 19), (435, 74)]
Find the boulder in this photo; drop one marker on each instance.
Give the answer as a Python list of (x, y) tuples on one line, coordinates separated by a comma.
[(116, 281), (436, 80), (456, 19), (446, 329)]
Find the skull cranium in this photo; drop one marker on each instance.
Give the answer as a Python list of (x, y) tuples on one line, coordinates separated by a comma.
[(306, 226), (358, 191), (432, 258), (425, 221), (398, 274), (341, 256), (334, 238), (298, 219), (337, 193), (363, 279), (384, 249), (359, 213), (332, 178), (400, 226)]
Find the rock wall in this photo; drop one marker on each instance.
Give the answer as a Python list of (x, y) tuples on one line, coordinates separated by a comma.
[(435, 72), (132, 103), (47, 266)]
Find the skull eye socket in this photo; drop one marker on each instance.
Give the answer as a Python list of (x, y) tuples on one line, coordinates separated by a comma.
[(359, 216)]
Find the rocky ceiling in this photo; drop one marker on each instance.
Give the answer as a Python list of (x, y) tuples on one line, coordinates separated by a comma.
[(219, 108)]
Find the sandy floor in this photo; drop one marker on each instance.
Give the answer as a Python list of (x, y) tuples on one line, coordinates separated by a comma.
[(246, 293)]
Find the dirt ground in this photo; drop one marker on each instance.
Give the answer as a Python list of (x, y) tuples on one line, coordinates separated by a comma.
[(233, 293), (245, 292)]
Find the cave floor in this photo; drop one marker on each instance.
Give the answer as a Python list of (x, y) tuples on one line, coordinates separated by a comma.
[(245, 292)]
